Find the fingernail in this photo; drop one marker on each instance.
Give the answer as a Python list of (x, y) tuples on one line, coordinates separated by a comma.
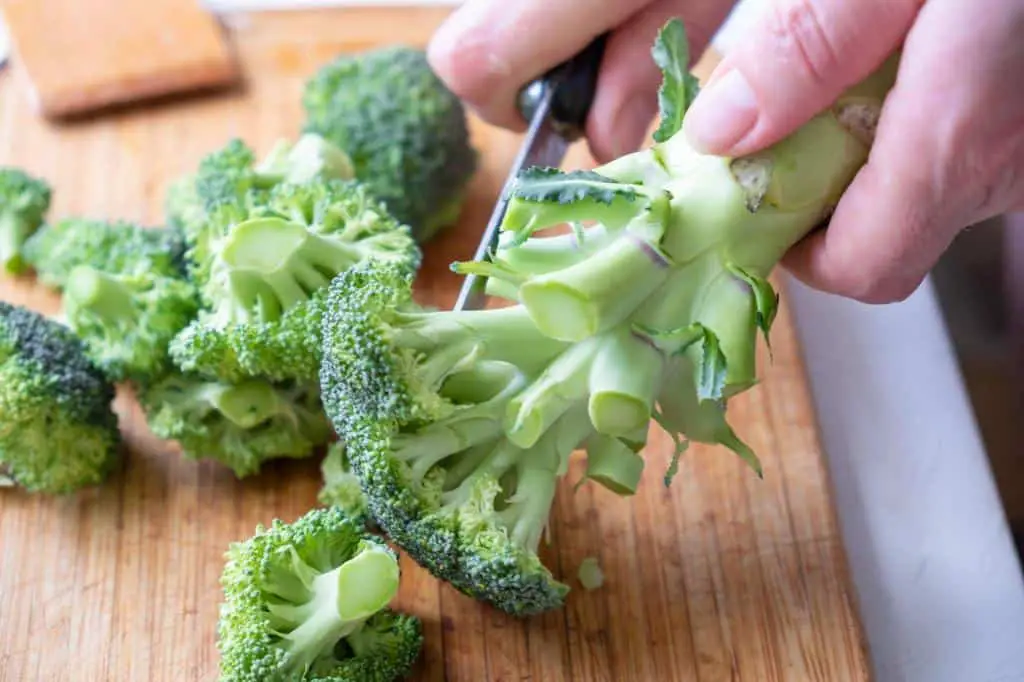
[(630, 125), (722, 114)]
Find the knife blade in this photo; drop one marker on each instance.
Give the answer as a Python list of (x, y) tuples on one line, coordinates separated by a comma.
[(556, 107)]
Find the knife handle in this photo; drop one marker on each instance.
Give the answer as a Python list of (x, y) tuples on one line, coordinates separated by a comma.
[(573, 84)]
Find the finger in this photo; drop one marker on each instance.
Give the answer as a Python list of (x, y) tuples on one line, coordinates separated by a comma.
[(488, 49), (948, 153), (626, 103), (797, 58)]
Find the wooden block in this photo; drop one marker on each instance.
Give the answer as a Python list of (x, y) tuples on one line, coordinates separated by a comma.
[(85, 55)]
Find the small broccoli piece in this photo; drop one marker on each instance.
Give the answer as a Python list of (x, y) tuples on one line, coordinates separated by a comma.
[(308, 601), (406, 133), (266, 277), (341, 485), (127, 321), (240, 425), (109, 246), (58, 430), (590, 574), (24, 201), (232, 175)]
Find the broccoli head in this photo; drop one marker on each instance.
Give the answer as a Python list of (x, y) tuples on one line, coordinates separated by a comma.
[(267, 275), (24, 202), (240, 425), (309, 601), (127, 321), (406, 133), (109, 246), (58, 430), (341, 485)]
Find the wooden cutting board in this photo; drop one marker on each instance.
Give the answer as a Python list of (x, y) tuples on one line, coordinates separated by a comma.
[(722, 577)]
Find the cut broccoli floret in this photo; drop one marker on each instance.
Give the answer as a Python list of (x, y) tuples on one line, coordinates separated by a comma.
[(127, 321), (459, 425), (58, 430), (308, 601), (240, 425), (109, 246), (341, 485), (24, 201), (263, 297), (406, 133)]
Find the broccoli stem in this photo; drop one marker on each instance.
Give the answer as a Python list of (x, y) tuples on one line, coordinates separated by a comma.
[(340, 601), (624, 382), (503, 334), (613, 464), (247, 404), (563, 384), (102, 294), (13, 233), (596, 294)]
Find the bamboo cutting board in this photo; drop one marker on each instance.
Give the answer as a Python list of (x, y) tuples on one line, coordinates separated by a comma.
[(721, 578)]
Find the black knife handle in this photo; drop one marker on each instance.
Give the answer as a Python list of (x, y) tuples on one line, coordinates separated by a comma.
[(573, 84)]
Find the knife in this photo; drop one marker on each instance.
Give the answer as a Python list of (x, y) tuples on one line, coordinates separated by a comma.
[(556, 106)]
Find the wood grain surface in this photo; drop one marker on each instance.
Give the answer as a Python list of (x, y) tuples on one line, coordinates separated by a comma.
[(81, 55), (722, 577)]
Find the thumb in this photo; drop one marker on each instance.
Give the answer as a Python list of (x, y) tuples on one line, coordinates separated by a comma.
[(798, 56)]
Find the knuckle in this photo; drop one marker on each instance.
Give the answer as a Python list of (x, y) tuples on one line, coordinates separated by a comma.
[(799, 30)]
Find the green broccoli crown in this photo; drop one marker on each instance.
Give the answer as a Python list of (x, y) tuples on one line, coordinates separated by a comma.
[(341, 485), (263, 295), (24, 202), (407, 135), (240, 425), (127, 321), (58, 430), (116, 247), (309, 601)]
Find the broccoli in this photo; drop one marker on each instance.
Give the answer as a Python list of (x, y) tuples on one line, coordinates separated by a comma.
[(264, 283), (58, 429), (406, 133), (127, 321), (341, 485), (310, 601), (232, 173), (24, 202), (459, 425), (240, 425), (115, 246)]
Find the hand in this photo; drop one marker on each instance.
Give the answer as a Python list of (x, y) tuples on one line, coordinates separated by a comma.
[(949, 150)]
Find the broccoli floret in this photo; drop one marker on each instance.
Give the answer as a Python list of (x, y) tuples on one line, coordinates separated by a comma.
[(109, 246), (232, 174), (266, 277), (341, 485), (309, 601), (459, 425), (24, 201), (127, 321), (406, 133), (240, 425), (58, 430)]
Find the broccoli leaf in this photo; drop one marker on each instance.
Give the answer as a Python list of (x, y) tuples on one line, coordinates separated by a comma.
[(679, 87)]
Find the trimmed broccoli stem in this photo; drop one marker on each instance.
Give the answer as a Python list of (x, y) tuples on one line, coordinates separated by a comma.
[(509, 332), (624, 382), (596, 294), (613, 464), (247, 404), (13, 233), (729, 311), (547, 254), (562, 385), (340, 602), (100, 293)]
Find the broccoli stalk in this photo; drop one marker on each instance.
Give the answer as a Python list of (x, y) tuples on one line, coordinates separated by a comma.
[(24, 201), (341, 486), (309, 600), (459, 424)]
